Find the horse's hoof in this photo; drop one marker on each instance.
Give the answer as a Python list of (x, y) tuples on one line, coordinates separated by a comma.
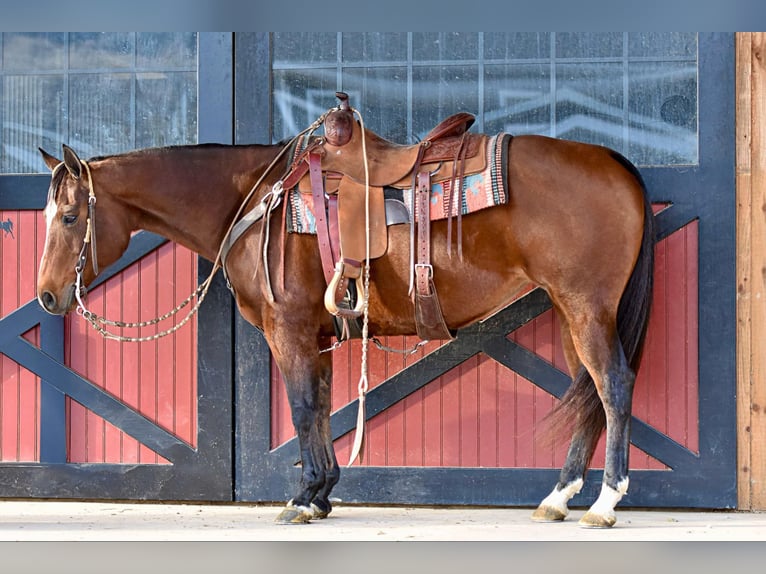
[(295, 515), (319, 514), (545, 513), (593, 520)]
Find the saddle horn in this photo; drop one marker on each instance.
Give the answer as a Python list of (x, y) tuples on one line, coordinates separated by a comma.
[(338, 125)]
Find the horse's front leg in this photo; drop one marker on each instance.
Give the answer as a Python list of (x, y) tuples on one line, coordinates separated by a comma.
[(308, 377)]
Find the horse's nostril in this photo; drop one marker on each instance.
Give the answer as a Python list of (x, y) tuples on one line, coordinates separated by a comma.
[(48, 300)]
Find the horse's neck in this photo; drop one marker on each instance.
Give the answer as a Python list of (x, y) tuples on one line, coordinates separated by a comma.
[(189, 195)]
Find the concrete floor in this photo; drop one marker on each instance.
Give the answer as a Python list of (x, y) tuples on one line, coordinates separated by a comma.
[(102, 521)]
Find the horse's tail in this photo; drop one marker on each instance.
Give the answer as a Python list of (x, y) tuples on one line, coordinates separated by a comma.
[(581, 404)]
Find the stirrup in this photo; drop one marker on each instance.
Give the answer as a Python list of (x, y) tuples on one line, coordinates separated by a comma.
[(329, 294)]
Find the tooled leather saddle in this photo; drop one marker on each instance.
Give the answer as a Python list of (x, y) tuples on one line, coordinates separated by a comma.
[(346, 172)]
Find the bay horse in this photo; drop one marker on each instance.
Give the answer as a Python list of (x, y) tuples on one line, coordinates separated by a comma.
[(577, 223)]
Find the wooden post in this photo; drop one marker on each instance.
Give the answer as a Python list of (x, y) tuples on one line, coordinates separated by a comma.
[(751, 269)]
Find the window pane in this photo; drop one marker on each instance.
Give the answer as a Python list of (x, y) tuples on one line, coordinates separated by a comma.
[(383, 47), (633, 92), (663, 109), (428, 46), (101, 50), (305, 48), (166, 50), (101, 93), (440, 91), (517, 99), (589, 103), (380, 94), (662, 44), (166, 105), (517, 45), (99, 113), (33, 116), (33, 51), (589, 44), (300, 97)]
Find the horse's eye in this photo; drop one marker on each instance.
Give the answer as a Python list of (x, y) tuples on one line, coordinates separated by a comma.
[(69, 219)]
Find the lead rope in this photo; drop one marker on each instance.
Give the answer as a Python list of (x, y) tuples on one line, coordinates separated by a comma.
[(363, 378), (98, 322)]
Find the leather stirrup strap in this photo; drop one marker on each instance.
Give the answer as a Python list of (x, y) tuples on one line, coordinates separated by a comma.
[(423, 268), (332, 210), (456, 188), (413, 210), (429, 320), (323, 230)]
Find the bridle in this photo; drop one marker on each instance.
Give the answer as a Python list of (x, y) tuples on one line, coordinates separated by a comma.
[(90, 239), (265, 206)]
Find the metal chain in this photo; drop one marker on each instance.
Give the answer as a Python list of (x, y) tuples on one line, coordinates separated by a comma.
[(379, 344), (407, 352), (97, 321)]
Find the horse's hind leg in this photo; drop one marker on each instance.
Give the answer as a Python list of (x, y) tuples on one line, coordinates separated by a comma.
[(616, 391), (554, 507), (602, 355)]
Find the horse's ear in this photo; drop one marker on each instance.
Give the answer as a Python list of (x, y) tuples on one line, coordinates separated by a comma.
[(72, 162), (49, 160)]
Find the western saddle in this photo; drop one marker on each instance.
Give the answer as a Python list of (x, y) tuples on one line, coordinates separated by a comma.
[(348, 169)]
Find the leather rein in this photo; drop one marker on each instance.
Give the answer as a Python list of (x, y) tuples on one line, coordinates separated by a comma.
[(263, 209)]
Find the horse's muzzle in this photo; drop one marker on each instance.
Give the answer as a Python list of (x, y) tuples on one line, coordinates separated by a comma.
[(55, 305)]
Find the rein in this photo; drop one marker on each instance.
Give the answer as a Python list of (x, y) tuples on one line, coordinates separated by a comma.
[(269, 202)]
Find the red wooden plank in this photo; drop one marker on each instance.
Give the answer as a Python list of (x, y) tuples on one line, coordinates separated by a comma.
[(414, 435), (526, 401), (76, 354), (658, 342), (165, 346), (507, 404), (185, 356), (95, 373), (8, 409), (432, 427), (489, 412), (147, 391), (112, 353), (469, 412), (18, 387), (28, 382), (450, 418), (544, 345), (131, 358), (692, 352)]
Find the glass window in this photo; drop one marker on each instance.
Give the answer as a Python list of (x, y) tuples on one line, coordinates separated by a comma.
[(101, 93), (634, 92)]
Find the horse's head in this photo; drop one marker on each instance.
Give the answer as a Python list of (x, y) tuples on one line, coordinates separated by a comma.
[(70, 259)]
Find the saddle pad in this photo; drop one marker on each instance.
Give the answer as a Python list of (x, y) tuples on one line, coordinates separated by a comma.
[(480, 190)]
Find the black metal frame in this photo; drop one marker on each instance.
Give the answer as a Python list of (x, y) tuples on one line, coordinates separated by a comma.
[(705, 193), (204, 473)]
